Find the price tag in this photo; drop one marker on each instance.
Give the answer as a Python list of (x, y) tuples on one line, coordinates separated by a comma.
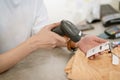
[(98, 49)]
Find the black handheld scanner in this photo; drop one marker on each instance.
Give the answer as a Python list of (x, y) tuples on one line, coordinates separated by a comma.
[(68, 29)]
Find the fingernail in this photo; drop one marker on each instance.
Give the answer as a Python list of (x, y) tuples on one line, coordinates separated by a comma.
[(91, 57), (96, 55)]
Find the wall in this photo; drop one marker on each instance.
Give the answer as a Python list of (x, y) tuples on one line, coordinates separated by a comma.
[(66, 9)]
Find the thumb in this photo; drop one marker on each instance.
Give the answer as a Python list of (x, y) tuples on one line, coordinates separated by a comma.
[(51, 26)]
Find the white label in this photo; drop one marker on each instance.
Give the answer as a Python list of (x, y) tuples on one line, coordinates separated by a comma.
[(97, 49), (115, 59)]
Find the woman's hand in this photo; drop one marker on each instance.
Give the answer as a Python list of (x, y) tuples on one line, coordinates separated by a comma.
[(45, 38), (88, 42)]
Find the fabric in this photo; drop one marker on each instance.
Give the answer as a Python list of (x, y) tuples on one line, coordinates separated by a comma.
[(81, 68), (19, 19)]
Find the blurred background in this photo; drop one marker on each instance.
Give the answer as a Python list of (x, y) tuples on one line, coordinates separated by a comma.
[(73, 10)]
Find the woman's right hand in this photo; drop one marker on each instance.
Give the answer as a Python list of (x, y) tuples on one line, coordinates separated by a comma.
[(47, 39)]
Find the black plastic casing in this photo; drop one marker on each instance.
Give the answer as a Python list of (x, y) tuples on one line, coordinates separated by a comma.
[(68, 29)]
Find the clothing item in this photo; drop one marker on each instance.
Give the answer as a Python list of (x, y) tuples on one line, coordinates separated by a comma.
[(81, 68), (19, 19)]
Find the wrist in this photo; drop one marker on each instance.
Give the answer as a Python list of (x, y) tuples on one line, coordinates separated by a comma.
[(32, 43)]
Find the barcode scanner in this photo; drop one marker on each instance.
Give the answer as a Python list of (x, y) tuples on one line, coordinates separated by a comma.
[(67, 28)]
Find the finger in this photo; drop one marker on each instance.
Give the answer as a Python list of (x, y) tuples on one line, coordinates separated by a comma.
[(101, 53), (51, 26), (66, 38), (96, 55), (91, 57), (61, 40)]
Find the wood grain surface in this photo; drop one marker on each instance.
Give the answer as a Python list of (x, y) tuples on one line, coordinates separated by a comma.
[(81, 68)]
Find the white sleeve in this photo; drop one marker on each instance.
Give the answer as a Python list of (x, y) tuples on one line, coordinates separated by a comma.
[(41, 17)]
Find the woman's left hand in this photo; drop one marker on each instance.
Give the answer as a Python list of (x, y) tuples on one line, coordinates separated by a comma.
[(88, 42)]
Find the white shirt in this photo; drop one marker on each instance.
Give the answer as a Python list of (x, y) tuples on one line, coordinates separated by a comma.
[(19, 19)]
